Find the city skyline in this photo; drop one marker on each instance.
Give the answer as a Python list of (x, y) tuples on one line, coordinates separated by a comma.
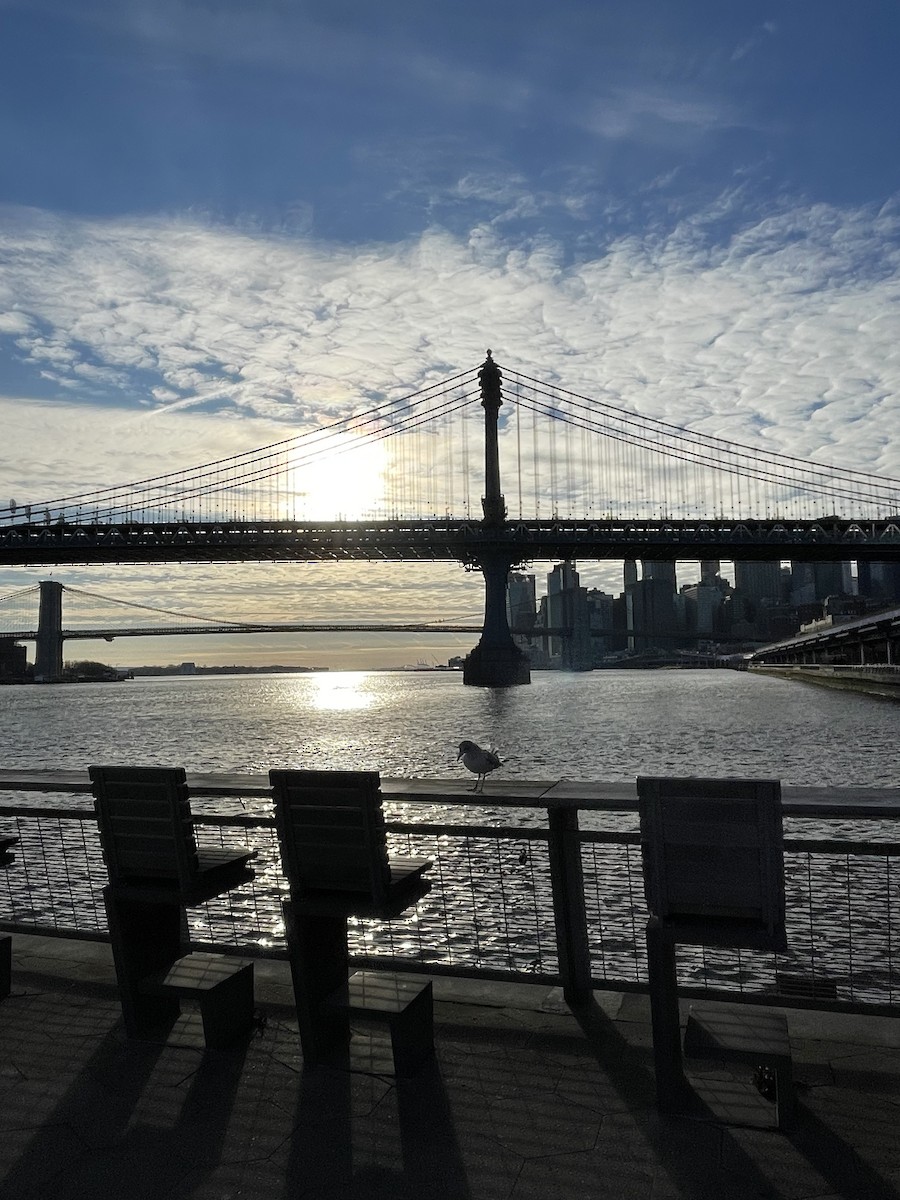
[(659, 607), (221, 227)]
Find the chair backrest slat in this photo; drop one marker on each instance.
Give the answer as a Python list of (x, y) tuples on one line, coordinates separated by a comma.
[(331, 830), (145, 823), (713, 850)]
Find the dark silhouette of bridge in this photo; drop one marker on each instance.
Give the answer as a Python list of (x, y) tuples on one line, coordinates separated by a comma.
[(590, 482)]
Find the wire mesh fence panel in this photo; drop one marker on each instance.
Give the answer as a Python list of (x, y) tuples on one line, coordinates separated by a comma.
[(616, 911), (247, 917), (490, 908), (57, 875)]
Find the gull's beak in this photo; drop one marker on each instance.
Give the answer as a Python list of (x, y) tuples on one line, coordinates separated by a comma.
[(459, 756)]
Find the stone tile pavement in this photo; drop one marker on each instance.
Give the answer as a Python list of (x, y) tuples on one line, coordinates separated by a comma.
[(524, 1101)]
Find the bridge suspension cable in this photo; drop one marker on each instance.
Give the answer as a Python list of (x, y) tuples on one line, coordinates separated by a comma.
[(21, 593), (574, 456), (229, 474), (152, 608), (791, 481)]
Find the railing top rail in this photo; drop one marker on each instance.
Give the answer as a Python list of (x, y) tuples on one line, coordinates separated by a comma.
[(599, 795), (523, 833)]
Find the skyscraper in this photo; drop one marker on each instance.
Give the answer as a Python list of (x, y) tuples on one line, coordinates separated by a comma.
[(758, 582)]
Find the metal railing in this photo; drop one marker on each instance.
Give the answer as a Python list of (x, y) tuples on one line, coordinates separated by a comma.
[(544, 901)]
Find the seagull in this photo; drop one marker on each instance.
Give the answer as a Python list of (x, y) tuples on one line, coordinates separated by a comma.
[(479, 762)]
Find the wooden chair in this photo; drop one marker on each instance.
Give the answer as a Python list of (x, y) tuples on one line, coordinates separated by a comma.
[(155, 870), (147, 834), (713, 864), (334, 853)]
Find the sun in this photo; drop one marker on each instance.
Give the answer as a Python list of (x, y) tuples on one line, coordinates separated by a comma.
[(343, 480)]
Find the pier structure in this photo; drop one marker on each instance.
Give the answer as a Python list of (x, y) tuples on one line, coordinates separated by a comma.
[(48, 659)]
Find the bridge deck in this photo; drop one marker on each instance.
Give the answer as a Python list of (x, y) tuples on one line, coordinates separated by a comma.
[(464, 540), (822, 802)]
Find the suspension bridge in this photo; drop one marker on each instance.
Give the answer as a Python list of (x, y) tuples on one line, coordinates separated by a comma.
[(417, 478)]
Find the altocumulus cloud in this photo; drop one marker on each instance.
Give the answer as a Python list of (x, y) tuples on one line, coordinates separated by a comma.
[(782, 329)]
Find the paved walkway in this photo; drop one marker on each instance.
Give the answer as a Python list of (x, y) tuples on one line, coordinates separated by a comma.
[(524, 1100)]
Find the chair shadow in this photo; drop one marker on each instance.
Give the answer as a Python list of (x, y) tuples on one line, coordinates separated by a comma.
[(836, 1160), (327, 1160), (694, 1160), (130, 1113)]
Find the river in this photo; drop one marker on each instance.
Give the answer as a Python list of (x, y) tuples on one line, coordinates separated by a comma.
[(604, 725)]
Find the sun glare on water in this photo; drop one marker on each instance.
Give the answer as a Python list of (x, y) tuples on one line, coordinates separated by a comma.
[(344, 481), (343, 692)]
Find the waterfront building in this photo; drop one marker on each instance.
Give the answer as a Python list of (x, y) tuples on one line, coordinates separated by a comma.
[(813, 582), (651, 613), (759, 609), (759, 582), (601, 616), (566, 606), (663, 571), (521, 610), (702, 609), (879, 581), (521, 605), (709, 571), (13, 662)]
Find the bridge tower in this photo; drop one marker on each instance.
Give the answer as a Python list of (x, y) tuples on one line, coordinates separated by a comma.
[(48, 658), (496, 661)]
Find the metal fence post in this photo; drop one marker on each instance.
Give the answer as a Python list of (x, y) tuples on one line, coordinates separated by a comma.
[(567, 880)]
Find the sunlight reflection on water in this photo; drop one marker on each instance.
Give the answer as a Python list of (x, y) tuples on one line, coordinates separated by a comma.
[(342, 692)]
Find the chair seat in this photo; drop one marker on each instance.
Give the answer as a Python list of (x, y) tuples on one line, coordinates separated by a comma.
[(729, 932), (744, 1033), (353, 904), (218, 871), (406, 872), (193, 975), (377, 993)]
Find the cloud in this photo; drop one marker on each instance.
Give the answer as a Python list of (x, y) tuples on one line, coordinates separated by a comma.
[(729, 323), (756, 39), (653, 113)]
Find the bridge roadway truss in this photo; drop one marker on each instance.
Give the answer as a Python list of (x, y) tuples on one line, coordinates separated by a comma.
[(465, 541)]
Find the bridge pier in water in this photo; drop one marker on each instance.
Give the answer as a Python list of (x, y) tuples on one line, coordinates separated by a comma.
[(496, 661), (48, 657)]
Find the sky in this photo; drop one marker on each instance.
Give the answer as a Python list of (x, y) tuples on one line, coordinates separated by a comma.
[(223, 223)]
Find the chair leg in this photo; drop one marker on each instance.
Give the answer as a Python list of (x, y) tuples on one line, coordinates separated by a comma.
[(227, 1011), (319, 963), (5, 966), (145, 938), (412, 1034), (671, 1085), (785, 1097)]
